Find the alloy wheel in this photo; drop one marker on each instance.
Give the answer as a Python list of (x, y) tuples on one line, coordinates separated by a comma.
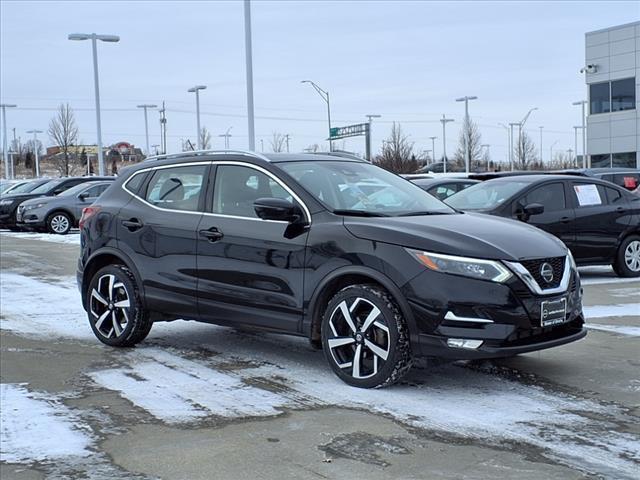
[(360, 344), (632, 256), (109, 305), (59, 223)]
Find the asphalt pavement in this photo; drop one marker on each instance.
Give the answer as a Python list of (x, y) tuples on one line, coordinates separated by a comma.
[(197, 401)]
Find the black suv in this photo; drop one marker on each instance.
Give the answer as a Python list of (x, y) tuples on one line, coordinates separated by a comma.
[(48, 188), (367, 265)]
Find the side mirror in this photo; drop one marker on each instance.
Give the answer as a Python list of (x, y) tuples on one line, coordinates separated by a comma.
[(533, 209), (277, 209), (83, 196), (58, 191)]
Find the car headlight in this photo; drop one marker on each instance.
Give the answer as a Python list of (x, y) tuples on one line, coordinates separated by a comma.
[(6, 202), (33, 207), (468, 267)]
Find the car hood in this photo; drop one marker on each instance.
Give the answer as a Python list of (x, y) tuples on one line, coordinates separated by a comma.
[(20, 196), (38, 199), (465, 234)]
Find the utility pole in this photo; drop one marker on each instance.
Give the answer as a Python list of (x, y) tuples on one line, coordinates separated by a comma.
[(444, 120), (508, 141), (511, 162), (571, 159), (370, 117), (5, 155), (35, 149), (433, 147), (163, 128), (226, 136), (13, 157), (467, 154), (541, 127), (287, 139), (582, 103), (196, 90), (486, 145), (325, 96), (249, 71), (575, 143), (551, 151), (146, 125), (156, 148)]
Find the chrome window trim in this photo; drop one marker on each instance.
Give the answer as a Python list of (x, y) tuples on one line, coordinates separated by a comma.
[(211, 214), (452, 317), (528, 279)]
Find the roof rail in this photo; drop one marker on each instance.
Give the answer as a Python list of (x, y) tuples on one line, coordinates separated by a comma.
[(196, 153), (339, 153)]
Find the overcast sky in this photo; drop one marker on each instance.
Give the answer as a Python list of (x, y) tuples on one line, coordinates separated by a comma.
[(406, 61)]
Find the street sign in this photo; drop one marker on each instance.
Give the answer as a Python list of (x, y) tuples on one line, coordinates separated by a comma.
[(348, 131)]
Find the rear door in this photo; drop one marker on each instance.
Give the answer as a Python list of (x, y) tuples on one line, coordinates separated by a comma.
[(602, 216), (250, 271), (158, 230), (558, 216)]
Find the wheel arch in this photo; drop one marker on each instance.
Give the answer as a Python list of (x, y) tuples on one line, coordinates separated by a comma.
[(336, 281), (102, 258), (61, 210)]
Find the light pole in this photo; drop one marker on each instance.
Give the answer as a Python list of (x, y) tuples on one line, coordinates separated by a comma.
[(370, 117), (262, 145), (4, 106), (433, 147), (155, 146), (196, 90), (35, 149), (226, 137), (486, 152), (146, 124), (163, 128), (569, 151), (520, 129), (551, 150), (94, 40), (541, 127), (467, 154), (249, 70), (287, 136), (325, 96), (511, 162), (444, 120), (582, 103), (508, 141), (575, 143)]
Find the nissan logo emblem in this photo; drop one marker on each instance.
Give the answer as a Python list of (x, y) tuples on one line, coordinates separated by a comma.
[(546, 271)]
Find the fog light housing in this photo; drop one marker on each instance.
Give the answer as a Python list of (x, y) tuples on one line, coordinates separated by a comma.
[(464, 343)]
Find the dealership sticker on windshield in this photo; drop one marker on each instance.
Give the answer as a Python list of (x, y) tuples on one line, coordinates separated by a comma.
[(587, 194), (553, 312)]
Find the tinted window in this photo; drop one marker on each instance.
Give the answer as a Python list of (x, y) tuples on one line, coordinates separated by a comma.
[(486, 195), (623, 94), (630, 181), (599, 98), (613, 195), (550, 196), (45, 187), (237, 187), (600, 161), (443, 191), (135, 182), (96, 190), (624, 160), (177, 188)]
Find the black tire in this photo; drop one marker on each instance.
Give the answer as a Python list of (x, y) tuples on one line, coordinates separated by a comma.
[(386, 334), (59, 223), (122, 326), (627, 263)]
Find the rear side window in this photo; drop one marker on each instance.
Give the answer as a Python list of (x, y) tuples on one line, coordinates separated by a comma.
[(613, 195), (550, 196), (177, 188)]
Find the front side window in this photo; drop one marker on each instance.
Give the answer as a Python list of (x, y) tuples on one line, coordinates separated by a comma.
[(46, 187), (486, 195), (599, 100), (96, 190), (236, 189), (623, 94), (551, 197), (177, 188), (358, 188)]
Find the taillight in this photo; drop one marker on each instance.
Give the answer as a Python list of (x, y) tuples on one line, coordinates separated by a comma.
[(87, 213)]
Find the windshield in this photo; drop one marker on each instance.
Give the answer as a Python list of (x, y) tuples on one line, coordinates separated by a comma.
[(25, 187), (45, 187), (354, 187), (485, 196), (77, 189)]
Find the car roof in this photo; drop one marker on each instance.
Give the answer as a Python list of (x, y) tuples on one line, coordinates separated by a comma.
[(184, 157), (553, 177), (441, 180)]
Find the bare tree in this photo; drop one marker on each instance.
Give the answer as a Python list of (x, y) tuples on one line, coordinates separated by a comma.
[(524, 153), (64, 133), (205, 138), (278, 142), (397, 152), (471, 133)]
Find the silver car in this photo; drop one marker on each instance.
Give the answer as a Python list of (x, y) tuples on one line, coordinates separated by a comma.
[(60, 213)]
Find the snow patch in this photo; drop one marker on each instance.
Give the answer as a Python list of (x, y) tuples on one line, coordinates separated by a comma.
[(72, 238), (604, 311), (621, 329), (38, 428)]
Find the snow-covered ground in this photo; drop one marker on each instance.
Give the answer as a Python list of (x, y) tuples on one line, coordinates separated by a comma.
[(72, 238), (179, 376)]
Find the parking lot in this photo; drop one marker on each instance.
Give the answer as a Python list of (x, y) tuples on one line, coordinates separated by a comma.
[(198, 401)]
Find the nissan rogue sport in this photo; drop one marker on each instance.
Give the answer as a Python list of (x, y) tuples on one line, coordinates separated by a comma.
[(368, 266)]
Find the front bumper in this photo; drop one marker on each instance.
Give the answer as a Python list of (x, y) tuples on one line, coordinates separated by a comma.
[(30, 218), (507, 316)]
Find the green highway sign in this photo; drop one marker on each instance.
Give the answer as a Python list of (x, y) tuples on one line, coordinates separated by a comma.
[(336, 133)]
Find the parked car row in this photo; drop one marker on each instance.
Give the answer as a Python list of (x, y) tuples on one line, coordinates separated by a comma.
[(53, 205)]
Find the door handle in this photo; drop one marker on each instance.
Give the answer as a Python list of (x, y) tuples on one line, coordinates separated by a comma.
[(565, 219), (213, 234), (621, 209), (132, 224)]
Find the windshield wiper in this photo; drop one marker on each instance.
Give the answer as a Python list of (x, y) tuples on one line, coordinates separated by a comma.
[(425, 212), (359, 213)]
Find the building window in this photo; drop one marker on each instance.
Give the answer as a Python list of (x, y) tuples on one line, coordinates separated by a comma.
[(600, 161), (623, 94), (625, 160), (599, 98)]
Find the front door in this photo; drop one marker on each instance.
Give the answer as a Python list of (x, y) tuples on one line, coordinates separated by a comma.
[(250, 271)]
